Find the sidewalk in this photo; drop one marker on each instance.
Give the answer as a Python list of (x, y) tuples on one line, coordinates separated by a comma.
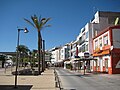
[(46, 81)]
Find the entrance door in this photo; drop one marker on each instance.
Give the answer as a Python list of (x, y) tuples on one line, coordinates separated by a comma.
[(101, 65), (106, 64)]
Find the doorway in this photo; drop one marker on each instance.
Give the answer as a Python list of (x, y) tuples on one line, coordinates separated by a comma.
[(106, 64), (101, 64)]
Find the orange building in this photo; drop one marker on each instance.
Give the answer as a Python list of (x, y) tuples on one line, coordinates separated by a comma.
[(106, 49)]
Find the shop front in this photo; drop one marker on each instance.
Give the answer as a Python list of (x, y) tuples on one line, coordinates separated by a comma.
[(107, 62)]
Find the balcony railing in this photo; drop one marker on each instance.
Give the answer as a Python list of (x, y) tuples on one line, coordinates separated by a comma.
[(97, 50)]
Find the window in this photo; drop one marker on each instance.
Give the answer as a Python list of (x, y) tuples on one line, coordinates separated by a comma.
[(80, 40), (83, 30), (86, 48), (86, 35), (62, 56), (71, 54), (100, 42), (105, 40), (62, 51), (83, 37), (83, 48), (96, 44), (80, 49)]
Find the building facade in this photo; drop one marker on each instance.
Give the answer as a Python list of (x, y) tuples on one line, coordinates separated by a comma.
[(55, 54), (106, 49), (84, 41)]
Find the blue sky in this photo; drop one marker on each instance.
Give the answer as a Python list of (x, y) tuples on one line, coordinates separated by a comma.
[(68, 17)]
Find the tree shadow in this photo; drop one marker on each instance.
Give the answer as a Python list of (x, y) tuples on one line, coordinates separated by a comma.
[(19, 87), (26, 72)]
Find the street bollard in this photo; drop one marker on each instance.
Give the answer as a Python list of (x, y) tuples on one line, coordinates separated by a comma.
[(56, 84)]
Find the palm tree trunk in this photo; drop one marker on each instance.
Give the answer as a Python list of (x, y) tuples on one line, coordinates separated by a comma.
[(39, 52), (42, 63), (43, 55), (42, 58)]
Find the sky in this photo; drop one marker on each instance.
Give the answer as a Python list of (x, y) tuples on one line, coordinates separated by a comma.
[(67, 19)]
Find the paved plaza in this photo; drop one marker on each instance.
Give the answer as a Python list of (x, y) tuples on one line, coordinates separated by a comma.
[(46, 81)]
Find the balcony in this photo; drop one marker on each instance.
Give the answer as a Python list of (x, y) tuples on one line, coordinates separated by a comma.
[(81, 42), (106, 47), (98, 50)]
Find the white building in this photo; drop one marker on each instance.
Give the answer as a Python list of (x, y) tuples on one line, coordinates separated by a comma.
[(83, 42), (55, 54), (100, 21), (64, 55)]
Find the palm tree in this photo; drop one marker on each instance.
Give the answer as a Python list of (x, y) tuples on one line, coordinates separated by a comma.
[(39, 24), (23, 50), (34, 55), (3, 58)]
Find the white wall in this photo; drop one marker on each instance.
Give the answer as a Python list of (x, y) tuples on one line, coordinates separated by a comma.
[(53, 57)]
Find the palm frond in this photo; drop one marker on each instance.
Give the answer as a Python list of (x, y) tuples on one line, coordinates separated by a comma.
[(39, 19), (46, 20), (38, 23), (35, 21), (43, 22), (48, 25), (29, 22)]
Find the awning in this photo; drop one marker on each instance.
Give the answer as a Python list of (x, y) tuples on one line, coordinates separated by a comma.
[(97, 54), (106, 52), (102, 53), (59, 61), (86, 59), (67, 62)]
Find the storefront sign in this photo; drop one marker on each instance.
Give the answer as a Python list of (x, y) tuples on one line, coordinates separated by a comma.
[(86, 54), (118, 64)]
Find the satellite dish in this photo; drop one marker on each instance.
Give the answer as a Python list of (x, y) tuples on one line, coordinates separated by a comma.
[(111, 48), (117, 20)]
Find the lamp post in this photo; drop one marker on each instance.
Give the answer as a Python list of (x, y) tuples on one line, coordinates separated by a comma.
[(43, 62), (16, 71)]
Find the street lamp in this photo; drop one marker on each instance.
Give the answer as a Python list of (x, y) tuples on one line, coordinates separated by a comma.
[(16, 71)]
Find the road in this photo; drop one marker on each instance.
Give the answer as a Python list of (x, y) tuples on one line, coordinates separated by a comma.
[(76, 81)]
